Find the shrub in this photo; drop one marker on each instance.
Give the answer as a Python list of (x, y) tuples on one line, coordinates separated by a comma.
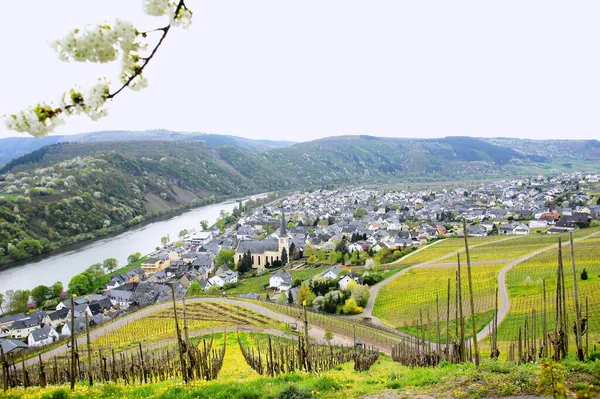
[(350, 307), (293, 392)]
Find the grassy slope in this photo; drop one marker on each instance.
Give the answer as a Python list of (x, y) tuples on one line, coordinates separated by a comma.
[(238, 380)]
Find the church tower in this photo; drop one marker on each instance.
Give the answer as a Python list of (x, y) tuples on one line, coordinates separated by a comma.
[(283, 235)]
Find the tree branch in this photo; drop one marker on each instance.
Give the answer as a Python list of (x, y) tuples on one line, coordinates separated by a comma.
[(146, 60)]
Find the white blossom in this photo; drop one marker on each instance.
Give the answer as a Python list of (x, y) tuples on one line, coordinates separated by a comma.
[(37, 121), (156, 8), (183, 19)]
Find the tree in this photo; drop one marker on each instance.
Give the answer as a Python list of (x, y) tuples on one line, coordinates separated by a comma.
[(246, 263), (290, 297), (328, 336), (204, 224), (284, 257), (184, 233), (1, 303), (79, 284), (57, 288), (361, 294), (133, 257), (110, 264), (41, 293), (17, 300), (304, 294), (100, 44), (225, 257), (584, 274), (194, 289), (165, 240)]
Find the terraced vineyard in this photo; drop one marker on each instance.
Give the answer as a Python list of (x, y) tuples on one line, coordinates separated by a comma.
[(160, 325)]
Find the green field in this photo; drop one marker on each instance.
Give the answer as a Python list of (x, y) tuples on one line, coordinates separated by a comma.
[(260, 284)]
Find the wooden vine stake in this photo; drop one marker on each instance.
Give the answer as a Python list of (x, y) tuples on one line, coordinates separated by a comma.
[(89, 349), (73, 342), (474, 324), (577, 308), (178, 333)]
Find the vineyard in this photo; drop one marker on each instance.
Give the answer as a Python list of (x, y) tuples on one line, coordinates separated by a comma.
[(443, 248), (401, 303), (526, 289), (200, 316), (272, 356)]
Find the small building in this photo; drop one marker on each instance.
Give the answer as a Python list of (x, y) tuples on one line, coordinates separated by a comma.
[(12, 346), (57, 318), (282, 280), (154, 265), (224, 278), (344, 281), (22, 328), (41, 337)]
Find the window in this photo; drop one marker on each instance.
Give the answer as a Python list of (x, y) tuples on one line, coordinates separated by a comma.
[(259, 260)]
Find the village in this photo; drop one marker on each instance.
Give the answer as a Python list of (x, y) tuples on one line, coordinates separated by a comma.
[(324, 243)]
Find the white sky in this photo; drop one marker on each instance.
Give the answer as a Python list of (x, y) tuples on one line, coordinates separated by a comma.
[(299, 70)]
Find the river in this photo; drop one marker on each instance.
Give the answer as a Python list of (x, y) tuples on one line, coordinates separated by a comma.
[(64, 264)]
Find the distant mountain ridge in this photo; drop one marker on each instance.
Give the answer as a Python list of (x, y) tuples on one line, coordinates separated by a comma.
[(13, 147)]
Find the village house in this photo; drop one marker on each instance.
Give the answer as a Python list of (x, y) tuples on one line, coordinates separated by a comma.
[(41, 337), (12, 346), (22, 328), (344, 281), (282, 280), (154, 265), (221, 279)]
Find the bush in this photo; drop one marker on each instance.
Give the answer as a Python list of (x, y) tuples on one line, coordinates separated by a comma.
[(350, 307), (293, 392), (584, 274)]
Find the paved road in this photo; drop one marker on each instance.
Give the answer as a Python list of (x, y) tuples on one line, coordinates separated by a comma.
[(315, 332)]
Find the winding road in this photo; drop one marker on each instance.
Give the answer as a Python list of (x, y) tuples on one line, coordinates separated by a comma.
[(504, 300)]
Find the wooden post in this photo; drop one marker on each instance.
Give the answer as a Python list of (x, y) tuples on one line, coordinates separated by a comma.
[(143, 365), (178, 333), (578, 342), (474, 323), (306, 336), (437, 314), (4, 369), (89, 349), (545, 325), (461, 315), (72, 342), (448, 323), (587, 330), (42, 372)]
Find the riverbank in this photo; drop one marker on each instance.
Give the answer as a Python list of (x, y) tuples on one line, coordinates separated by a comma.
[(144, 237)]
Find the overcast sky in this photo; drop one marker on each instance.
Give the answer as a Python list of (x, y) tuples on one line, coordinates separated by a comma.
[(300, 70)]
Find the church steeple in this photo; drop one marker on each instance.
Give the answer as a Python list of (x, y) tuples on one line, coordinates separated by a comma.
[(283, 229)]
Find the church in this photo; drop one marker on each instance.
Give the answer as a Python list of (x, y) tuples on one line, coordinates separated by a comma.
[(267, 251)]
